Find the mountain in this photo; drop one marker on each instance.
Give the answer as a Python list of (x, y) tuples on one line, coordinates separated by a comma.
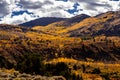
[(49, 20), (75, 19), (71, 21), (104, 24), (55, 27), (42, 21)]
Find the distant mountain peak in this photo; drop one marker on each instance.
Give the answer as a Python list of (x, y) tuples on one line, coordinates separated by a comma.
[(44, 21)]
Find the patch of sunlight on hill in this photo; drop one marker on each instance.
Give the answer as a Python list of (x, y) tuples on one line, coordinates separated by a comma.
[(87, 22), (105, 67), (39, 36), (37, 27), (83, 23), (66, 60), (50, 29)]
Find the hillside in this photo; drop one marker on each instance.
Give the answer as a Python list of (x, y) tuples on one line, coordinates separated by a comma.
[(70, 21), (17, 41), (81, 38), (104, 24), (41, 21)]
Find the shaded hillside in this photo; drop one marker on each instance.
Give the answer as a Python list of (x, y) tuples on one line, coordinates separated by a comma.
[(42, 21), (14, 28)]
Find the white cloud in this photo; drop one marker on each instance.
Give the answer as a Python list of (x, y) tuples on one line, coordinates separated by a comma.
[(17, 19), (52, 8)]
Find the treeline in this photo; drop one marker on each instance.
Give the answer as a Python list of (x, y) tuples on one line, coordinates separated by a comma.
[(33, 64)]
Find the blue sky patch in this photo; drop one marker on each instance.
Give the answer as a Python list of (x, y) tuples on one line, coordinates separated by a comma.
[(71, 11), (62, 0), (19, 5), (15, 13), (1, 18)]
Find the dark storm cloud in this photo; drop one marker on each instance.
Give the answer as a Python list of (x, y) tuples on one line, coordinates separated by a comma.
[(119, 4), (86, 1), (35, 5), (114, 0), (3, 8), (94, 6)]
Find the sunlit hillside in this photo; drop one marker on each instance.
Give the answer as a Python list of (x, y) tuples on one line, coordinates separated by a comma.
[(104, 24)]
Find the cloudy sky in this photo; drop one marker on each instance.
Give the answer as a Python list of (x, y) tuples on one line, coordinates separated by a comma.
[(20, 11)]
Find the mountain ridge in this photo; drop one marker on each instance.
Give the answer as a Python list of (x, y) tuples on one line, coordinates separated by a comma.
[(41, 21), (48, 20)]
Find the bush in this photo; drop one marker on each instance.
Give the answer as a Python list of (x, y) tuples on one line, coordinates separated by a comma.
[(30, 63), (96, 71), (5, 64), (57, 69), (83, 68), (60, 69), (75, 67), (106, 76)]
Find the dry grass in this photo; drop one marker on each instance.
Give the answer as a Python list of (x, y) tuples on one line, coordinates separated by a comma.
[(8, 70)]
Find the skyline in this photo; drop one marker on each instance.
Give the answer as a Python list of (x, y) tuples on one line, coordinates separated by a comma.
[(20, 11)]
